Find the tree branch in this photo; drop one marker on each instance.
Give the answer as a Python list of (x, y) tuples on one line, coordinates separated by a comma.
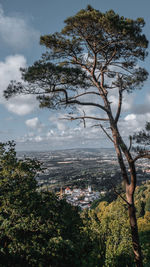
[(118, 194), (109, 61), (87, 104), (67, 101), (86, 93), (144, 155), (130, 137), (84, 117), (119, 103), (106, 133)]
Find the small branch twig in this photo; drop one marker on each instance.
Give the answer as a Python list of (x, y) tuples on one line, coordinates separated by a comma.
[(130, 137), (119, 101), (86, 93), (140, 156), (106, 133), (118, 194), (83, 118)]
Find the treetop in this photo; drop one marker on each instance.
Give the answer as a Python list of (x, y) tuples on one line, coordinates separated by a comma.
[(94, 50)]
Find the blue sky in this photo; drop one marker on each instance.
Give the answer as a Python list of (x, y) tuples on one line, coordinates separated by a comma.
[(21, 24)]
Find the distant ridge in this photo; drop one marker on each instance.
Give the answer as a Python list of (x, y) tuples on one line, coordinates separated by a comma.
[(68, 149)]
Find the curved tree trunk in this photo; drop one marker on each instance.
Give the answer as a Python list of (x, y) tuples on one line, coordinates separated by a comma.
[(134, 230), (130, 185)]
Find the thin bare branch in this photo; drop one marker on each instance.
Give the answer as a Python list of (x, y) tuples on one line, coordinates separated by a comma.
[(69, 117), (95, 81), (94, 64), (86, 104), (118, 194), (130, 138), (106, 133), (120, 66), (84, 123), (119, 101), (140, 156), (67, 101), (111, 58), (86, 93)]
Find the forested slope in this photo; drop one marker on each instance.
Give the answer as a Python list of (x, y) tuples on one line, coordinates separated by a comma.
[(37, 229)]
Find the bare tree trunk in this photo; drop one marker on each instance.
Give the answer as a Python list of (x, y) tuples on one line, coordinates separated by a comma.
[(134, 231), (130, 185)]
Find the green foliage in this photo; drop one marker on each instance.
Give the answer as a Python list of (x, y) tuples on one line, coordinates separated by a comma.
[(38, 230), (109, 231), (94, 238), (114, 220), (114, 229), (69, 63), (142, 141), (140, 209), (147, 206), (35, 228), (143, 214), (142, 200), (144, 230)]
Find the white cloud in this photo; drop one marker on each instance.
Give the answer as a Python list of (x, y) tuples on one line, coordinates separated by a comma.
[(32, 123), (50, 133), (133, 123), (21, 105), (57, 122), (38, 139), (36, 126), (130, 117), (148, 98), (127, 102), (10, 70), (73, 137), (31, 134), (15, 31)]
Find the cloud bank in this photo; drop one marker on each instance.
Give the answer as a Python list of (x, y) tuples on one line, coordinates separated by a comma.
[(10, 70), (15, 31)]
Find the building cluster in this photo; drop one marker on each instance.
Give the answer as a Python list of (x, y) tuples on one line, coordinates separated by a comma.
[(79, 197)]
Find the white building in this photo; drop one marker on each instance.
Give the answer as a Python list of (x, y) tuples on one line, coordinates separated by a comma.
[(68, 191)]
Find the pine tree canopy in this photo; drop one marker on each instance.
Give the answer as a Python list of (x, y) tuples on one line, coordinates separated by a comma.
[(94, 50)]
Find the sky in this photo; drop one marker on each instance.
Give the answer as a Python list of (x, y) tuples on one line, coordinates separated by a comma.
[(21, 25)]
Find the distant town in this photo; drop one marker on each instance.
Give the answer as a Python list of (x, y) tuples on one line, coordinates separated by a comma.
[(80, 197), (82, 175)]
